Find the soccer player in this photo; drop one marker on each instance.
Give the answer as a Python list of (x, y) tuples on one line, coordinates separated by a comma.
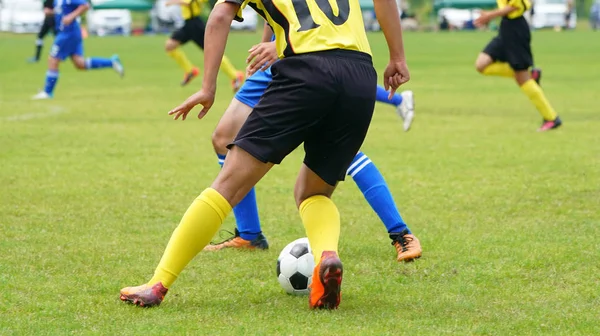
[(509, 55), (47, 26), (69, 43), (248, 234), (193, 29), (322, 94)]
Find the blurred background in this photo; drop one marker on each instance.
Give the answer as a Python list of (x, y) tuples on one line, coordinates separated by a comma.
[(137, 17)]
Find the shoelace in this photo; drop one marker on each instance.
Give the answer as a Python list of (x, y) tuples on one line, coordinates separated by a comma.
[(231, 236), (403, 241)]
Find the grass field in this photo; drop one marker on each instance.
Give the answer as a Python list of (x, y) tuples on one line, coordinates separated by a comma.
[(94, 181)]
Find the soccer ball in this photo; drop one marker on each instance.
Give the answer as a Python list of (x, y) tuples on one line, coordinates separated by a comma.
[(295, 267)]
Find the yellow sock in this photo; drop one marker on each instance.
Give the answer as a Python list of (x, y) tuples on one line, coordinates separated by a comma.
[(228, 68), (179, 56), (198, 225), (537, 97), (322, 224), (499, 69)]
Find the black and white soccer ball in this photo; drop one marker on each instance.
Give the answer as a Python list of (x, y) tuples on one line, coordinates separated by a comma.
[(295, 267)]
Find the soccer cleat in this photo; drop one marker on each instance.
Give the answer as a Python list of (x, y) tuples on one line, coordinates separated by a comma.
[(32, 60), (407, 246), (326, 286), (189, 76), (144, 295), (41, 96), (406, 109), (260, 243), (117, 65), (548, 125), (536, 75), (236, 84)]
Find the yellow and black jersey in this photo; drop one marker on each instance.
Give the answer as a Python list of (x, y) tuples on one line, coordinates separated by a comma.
[(192, 9), (304, 26), (521, 7)]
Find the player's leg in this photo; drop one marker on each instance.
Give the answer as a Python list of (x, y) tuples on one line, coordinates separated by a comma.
[(47, 26), (404, 103), (330, 148), (248, 233), (199, 223), (94, 63), (52, 75), (172, 47), (518, 51), (492, 60), (237, 77), (376, 191)]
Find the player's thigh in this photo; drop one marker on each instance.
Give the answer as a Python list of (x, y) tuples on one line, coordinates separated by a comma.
[(495, 50), (230, 124), (300, 95), (331, 148)]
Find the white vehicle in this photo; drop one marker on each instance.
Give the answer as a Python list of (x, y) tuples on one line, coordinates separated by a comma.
[(551, 13), (23, 16), (165, 18), (109, 22), (250, 20)]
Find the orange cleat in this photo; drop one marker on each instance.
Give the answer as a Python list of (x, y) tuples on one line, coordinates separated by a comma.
[(144, 295), (235, 241), (189, 76), (236, 84), (407, 246), (326, 286)]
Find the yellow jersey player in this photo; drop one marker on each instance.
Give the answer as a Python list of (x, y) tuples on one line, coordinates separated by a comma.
[(322, 95), (193, 29), (509, 55)]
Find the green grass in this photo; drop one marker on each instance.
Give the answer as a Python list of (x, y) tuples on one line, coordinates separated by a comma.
[(94, 181)]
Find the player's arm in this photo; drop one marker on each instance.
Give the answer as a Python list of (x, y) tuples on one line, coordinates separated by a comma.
[(267, 33), (80, 10), (486, 17), (396, 73)]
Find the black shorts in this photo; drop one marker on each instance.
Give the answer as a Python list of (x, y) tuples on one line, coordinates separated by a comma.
[(512, 45), (193, 29), (324, 99)]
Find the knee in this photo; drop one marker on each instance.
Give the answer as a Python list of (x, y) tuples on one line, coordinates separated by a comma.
[(480, 66), (170, 45), (220, 139)]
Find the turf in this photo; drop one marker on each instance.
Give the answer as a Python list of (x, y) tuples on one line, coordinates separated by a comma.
[(94, 181)]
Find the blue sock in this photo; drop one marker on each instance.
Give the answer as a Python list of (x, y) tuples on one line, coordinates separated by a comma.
[(98, 63), (246, 213), (371, 183), (382, 96), (51, 79)]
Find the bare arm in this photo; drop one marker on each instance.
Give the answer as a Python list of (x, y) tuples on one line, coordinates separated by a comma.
[(486, 17), (75, 14), (176, 2), (386, 12), (215, 40), (267, 33)]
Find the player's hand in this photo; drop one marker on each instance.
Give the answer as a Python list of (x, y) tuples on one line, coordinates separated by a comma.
[(261, 57), (206, 98), (395, 74), (482, 20), (67, 20)]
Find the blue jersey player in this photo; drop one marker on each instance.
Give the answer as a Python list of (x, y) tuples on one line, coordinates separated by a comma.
[(248, 234), (69, 43)]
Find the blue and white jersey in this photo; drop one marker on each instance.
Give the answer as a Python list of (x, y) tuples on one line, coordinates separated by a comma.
[(63, 8)]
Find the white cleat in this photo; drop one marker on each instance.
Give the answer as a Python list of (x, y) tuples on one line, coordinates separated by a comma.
[(406, 110), (117, 65), (41, 95)]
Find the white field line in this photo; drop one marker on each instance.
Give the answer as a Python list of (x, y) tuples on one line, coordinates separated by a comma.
[(52, 111)]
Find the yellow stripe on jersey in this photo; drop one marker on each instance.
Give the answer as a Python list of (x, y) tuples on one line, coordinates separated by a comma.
[(304, 26), (192, 9), (521, 7)]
